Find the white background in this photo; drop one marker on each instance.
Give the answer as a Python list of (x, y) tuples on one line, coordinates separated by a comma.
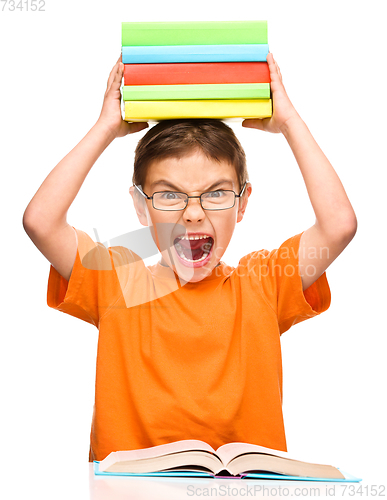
[(54, 68)]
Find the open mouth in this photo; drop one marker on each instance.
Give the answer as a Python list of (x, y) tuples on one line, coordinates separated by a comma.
[(193, 250)]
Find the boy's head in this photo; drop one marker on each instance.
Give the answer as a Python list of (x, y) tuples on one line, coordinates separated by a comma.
[(190, 156)]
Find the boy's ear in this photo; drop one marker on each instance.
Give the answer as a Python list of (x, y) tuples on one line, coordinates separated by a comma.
[(243, 201), (139, 205)]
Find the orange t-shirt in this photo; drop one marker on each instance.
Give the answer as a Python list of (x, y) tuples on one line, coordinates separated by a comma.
[(198, 361)]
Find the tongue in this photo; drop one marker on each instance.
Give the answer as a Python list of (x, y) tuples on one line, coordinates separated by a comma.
[(196, 254)]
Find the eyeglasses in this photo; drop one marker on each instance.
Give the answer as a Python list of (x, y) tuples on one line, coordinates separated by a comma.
[(222, 199)]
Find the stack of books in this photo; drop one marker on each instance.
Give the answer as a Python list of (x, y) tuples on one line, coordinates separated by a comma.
[(195, 70)]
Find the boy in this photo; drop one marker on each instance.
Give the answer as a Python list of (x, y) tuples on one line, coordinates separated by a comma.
[(189, 348)]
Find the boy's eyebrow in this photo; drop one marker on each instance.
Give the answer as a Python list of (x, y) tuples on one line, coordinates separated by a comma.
[(167, 183)]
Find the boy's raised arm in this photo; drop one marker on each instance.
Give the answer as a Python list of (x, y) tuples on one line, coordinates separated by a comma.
[(336, 222), (44, 219)]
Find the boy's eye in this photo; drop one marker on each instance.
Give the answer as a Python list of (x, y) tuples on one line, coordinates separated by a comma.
[(215, 194), (170, 195)]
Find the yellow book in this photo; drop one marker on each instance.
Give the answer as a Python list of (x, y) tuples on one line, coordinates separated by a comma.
[(138, 111)]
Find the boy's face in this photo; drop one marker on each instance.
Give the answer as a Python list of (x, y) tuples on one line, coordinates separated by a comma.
[(193, 174)]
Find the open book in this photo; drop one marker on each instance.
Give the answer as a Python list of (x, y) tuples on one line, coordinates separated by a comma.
[(232, 459)]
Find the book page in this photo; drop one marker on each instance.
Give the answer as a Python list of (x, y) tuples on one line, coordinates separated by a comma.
[(229, 451), (155, 451)]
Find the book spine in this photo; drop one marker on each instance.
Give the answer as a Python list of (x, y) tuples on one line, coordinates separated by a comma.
[(194, 33), (194, 53), (176, 92), (196, 73), (221, 109)]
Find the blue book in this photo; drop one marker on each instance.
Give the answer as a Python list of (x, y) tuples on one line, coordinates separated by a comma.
[(194, 53)]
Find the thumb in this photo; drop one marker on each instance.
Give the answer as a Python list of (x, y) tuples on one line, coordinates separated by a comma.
[(254, 123), (133, 127)]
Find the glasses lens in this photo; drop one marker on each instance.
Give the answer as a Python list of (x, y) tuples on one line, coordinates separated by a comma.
[(218, 200), (169, 200)]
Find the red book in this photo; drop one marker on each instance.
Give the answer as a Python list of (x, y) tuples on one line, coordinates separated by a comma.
[(196, 73)]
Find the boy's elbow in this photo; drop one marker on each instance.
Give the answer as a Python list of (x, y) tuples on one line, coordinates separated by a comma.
[(346, 229), (354, 226), (350, 227), (341, 230), (28, 220), (32, 221)]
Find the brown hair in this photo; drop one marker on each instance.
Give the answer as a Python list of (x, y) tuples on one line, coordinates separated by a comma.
[(178, 138)]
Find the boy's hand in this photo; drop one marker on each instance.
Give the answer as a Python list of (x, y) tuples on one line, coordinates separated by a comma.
[(111, 116), (283, 109)]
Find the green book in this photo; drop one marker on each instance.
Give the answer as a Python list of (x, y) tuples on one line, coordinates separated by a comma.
[(195, 33), (205, 91)]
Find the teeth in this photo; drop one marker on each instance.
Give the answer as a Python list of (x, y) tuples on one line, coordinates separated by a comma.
[(194, 237), (206, 247)]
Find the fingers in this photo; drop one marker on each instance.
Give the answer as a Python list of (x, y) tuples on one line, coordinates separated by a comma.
[(118, 76), (275, 73), (112, 75), (117, 69), (115, 76), (278, 70)]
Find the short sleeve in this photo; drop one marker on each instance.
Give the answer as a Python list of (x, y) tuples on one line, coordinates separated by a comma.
[(278, 278), (91, 286)]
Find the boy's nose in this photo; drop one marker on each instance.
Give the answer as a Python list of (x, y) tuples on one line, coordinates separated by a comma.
[(193, 212)]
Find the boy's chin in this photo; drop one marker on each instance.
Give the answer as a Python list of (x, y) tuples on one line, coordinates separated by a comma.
[(189, 272)]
